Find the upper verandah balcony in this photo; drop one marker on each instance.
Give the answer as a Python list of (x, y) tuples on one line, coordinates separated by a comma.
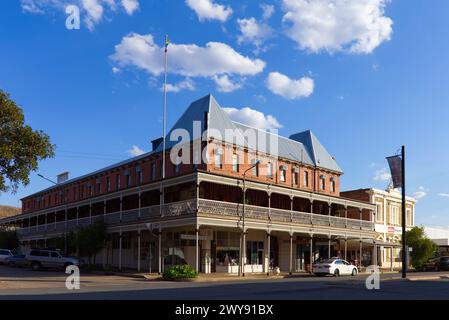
[(203, 194)]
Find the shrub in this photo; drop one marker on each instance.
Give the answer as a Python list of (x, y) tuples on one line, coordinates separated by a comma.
[(180, 272)]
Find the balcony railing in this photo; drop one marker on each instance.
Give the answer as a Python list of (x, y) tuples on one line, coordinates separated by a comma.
[(208, 207), (213, 207)]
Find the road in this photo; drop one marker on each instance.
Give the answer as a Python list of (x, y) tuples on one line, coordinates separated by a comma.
[(26, 284)]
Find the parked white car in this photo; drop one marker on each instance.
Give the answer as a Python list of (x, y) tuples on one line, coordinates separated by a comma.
[(4, 253), (334, 267)]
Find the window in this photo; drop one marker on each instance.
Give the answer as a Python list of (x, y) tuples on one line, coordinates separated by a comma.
[(379, 213), (254, 252), (235, 163), (306, 178), (333, 188), (270, 170), (409, 218), (282, 173), (108, 184), (153, 171), (255, 167), (394, 216), (295, 174), (323, 183), (218, 162), (117, 181), (128, 179), (99, 185), (139, 175)]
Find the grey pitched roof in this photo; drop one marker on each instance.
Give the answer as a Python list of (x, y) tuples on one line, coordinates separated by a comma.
[(301, 147), (319, 154)]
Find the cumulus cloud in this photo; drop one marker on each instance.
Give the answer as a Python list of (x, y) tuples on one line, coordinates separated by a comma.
[(130, 6), (253, 118), (208, 10), (421, 193), (252, 31), (93, 11), (224, 84), (283, 86), (214, 60), (268, 11), (135, 151), (356, 26), (382, 175), (186, 84)]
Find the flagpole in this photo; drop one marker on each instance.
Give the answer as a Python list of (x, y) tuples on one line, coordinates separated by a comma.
[(404, 223), (162, 194)]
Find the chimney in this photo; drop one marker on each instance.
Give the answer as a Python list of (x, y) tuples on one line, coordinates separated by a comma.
[(62, 177), (157, 142)]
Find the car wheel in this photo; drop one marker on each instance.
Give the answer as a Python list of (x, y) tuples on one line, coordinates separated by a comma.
[(35, 266), (336, 273), (354, 272)]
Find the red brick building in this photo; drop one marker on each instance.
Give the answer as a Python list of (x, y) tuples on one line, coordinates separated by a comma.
[(292, 214)]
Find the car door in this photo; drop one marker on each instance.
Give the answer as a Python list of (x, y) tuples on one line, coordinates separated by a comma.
[(348, 267), (55, 259)]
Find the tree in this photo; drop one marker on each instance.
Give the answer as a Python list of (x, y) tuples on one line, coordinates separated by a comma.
[(89, 240), (9, 240), (423, 248), (21, 147)]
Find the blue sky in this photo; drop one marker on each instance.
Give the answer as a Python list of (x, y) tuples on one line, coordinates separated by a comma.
[(365, 76)]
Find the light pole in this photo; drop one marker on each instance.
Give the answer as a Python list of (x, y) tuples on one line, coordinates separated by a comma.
[(41, 176), (243, 245)]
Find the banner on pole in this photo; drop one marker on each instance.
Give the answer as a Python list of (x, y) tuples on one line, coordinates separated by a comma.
[(395, 163)]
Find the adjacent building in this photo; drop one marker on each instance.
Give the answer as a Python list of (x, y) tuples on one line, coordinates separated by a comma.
[(235, 204), (388, 222), (440, 236)]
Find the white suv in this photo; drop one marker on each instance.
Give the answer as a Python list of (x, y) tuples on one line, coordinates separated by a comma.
[(4, 253), (40, 258)]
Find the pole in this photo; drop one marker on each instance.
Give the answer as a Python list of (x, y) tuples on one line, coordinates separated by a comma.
[(164, 115), (404, 240), (243, 247)]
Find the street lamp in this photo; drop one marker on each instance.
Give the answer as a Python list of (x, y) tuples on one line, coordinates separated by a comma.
[(41, 176), (243, 245)]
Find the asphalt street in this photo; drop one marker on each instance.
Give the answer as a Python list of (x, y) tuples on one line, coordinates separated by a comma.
[(26, 284)]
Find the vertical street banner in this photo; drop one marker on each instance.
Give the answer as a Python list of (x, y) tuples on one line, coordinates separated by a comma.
[(395, 163)]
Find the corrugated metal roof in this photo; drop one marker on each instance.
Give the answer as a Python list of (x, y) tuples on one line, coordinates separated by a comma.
[(301, 147)]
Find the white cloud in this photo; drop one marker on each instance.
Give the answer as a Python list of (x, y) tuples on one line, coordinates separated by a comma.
[(93, 11), (224, 84), (186, 84), (188, 60), (253, 118), (283, 86), (136, 151), (382, 175), (116, 70), (357, 26), (208, 10), (268, 11), (130, 6), (444, 195), (421, 193), (253, 31)]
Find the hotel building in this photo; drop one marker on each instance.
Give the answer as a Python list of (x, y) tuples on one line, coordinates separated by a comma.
[(237, 200)]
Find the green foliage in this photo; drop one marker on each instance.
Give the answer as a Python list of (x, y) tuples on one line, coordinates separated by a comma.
[(21, 147), (9, 240), (180, 272), (89, 240), (423, 247)]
